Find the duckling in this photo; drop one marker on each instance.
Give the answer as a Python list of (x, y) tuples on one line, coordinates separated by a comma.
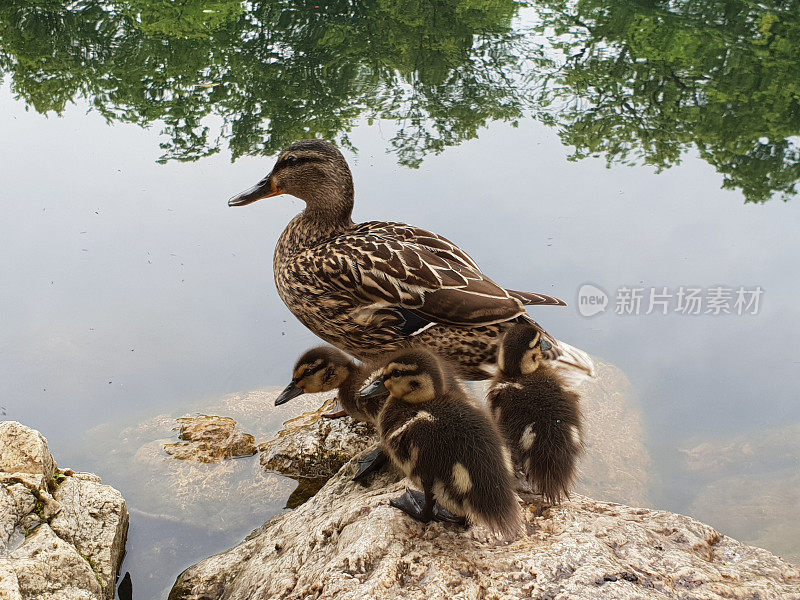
[(445, 444), (378, 286), (539, 417), (323, 369)]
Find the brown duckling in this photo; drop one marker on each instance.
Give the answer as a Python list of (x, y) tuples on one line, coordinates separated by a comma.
[(323, 369), (446, 445), (374, 287), (538, 415)]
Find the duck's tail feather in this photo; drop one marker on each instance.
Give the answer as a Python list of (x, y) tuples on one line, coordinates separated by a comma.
[(532, 298), (572, 363)]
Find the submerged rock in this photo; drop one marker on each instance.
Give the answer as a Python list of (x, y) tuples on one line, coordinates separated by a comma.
[(751, 486), (62, 533), (209, 438), (347, 542)]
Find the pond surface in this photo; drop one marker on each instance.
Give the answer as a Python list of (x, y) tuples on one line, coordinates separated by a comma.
[(632, 146)]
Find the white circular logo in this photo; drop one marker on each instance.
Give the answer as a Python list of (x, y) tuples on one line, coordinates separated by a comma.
[(591, 300)]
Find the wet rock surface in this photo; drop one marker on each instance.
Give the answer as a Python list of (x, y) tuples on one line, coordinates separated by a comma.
[(209, 438), (312, 446), (62, 533), (347, 542)]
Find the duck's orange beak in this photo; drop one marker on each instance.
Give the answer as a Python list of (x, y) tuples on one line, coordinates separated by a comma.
[(263, 189)]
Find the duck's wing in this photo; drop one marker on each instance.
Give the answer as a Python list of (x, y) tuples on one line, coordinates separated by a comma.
[(442, 246), (395, 265)]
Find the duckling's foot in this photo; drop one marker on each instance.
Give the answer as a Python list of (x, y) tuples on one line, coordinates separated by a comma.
[(371, 463), (439, 513), (414, 505), (337, 413)]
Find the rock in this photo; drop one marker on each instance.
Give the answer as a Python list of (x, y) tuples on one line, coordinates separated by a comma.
[(48, 568), (9, 584), (62, 533), (25, 450), (347, 542), (94, 519), (311, 446), (750, 487), (209, 438)]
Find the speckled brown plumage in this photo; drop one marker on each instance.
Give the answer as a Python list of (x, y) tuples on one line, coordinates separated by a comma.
[(376, 286)]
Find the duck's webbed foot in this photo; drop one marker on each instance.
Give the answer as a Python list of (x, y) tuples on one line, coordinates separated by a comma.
[(439, 513), (337, 413), (414, 505), (371, 463), (423, 508)]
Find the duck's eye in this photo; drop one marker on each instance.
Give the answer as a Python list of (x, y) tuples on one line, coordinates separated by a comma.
[(291, 159), (392, 373)]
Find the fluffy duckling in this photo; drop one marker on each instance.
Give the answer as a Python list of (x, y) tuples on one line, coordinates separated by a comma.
[(539, 417), (446, 445), (323, 369)]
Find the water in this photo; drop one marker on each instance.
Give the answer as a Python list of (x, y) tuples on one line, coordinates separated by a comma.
[(640, 145)]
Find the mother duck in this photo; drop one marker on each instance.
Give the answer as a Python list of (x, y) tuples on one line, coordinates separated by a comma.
[(374, 287)]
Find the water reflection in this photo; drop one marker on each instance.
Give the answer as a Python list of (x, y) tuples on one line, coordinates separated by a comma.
[(274, 72), (635, 81), (646, 79)]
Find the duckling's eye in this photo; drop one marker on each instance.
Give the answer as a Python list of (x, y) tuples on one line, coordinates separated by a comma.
[(392, 373), (291, 159)]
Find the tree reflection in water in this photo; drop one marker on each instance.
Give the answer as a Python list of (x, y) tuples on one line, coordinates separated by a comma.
[(634, 81)]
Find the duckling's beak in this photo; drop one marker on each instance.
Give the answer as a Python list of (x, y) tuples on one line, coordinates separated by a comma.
[(376, 389), (263, 189), (291, 391)]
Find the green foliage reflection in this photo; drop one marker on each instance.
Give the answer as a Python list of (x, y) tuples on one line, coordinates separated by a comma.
[(631, 80), (646, 80)]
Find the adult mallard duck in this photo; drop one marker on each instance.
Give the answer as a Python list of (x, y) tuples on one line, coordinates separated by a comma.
[(374, 287)]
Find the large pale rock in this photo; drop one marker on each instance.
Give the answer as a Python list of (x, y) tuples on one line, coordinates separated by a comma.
[(311, 446), (9, 584), (24, 450), (48, 568), (209, 438), (94, 519), (55, 548), (16, 502), (347, 542)]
